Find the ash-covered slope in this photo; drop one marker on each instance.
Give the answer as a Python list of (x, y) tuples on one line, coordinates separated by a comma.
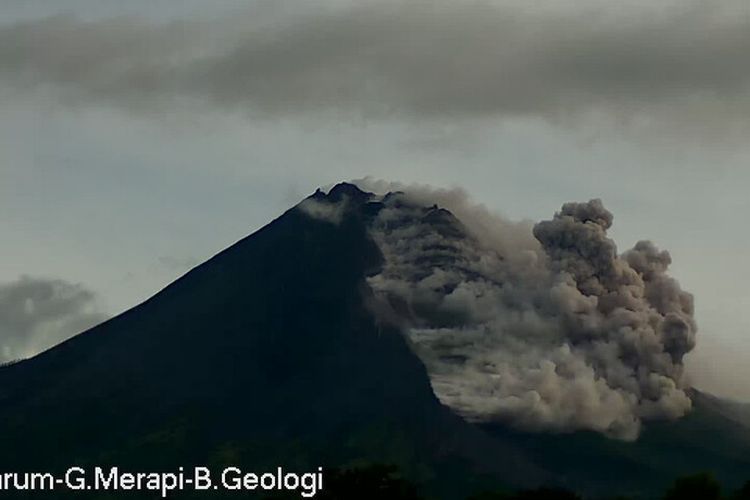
[(322, 339)]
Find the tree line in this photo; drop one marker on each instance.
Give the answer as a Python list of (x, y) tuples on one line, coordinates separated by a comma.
[(384, 482)]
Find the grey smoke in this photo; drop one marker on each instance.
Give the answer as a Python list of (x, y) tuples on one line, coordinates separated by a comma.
[(38, 313), (424, 59), (546, 328)]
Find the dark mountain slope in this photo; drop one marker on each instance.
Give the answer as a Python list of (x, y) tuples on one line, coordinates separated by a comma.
[(266, 355), (703, 441)]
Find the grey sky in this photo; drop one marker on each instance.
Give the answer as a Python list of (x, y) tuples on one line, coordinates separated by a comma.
[(430, 59), (132, 147)]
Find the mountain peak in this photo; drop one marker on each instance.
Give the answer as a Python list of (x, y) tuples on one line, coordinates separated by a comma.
[(365, 328), (345, 190)]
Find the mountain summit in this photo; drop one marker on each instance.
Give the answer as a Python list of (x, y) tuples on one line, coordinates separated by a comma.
[(387, 329)]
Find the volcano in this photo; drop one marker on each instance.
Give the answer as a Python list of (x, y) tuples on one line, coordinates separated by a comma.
[(278, 352)]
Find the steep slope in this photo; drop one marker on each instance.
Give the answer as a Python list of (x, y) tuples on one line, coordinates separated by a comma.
[(269, 354), (264, 355)]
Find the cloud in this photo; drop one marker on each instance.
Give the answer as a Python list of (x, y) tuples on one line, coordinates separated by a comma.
[(427, 59), (36, 314), (545, 328)]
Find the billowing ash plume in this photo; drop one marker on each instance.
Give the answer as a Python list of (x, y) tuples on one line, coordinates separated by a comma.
[(553, 332)]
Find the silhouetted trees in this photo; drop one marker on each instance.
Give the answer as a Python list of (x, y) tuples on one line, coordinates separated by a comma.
[(743, 493), (490, 495), (538, 494), (372, 482), (384, 482), (369, 483), (702, 486)]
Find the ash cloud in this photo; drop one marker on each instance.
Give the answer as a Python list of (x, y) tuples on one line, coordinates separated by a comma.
[(545, 328), (38, 313), (426, 59)]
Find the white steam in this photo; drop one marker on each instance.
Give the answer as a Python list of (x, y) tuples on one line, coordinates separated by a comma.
[(323, 210)]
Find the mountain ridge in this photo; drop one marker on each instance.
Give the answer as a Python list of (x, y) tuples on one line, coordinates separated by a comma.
[(267, 354)]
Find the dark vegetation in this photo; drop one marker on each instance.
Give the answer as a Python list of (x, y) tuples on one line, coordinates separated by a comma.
[(380, 482)]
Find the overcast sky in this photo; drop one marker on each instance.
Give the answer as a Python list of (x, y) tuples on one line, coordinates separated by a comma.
[(139, 138)]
